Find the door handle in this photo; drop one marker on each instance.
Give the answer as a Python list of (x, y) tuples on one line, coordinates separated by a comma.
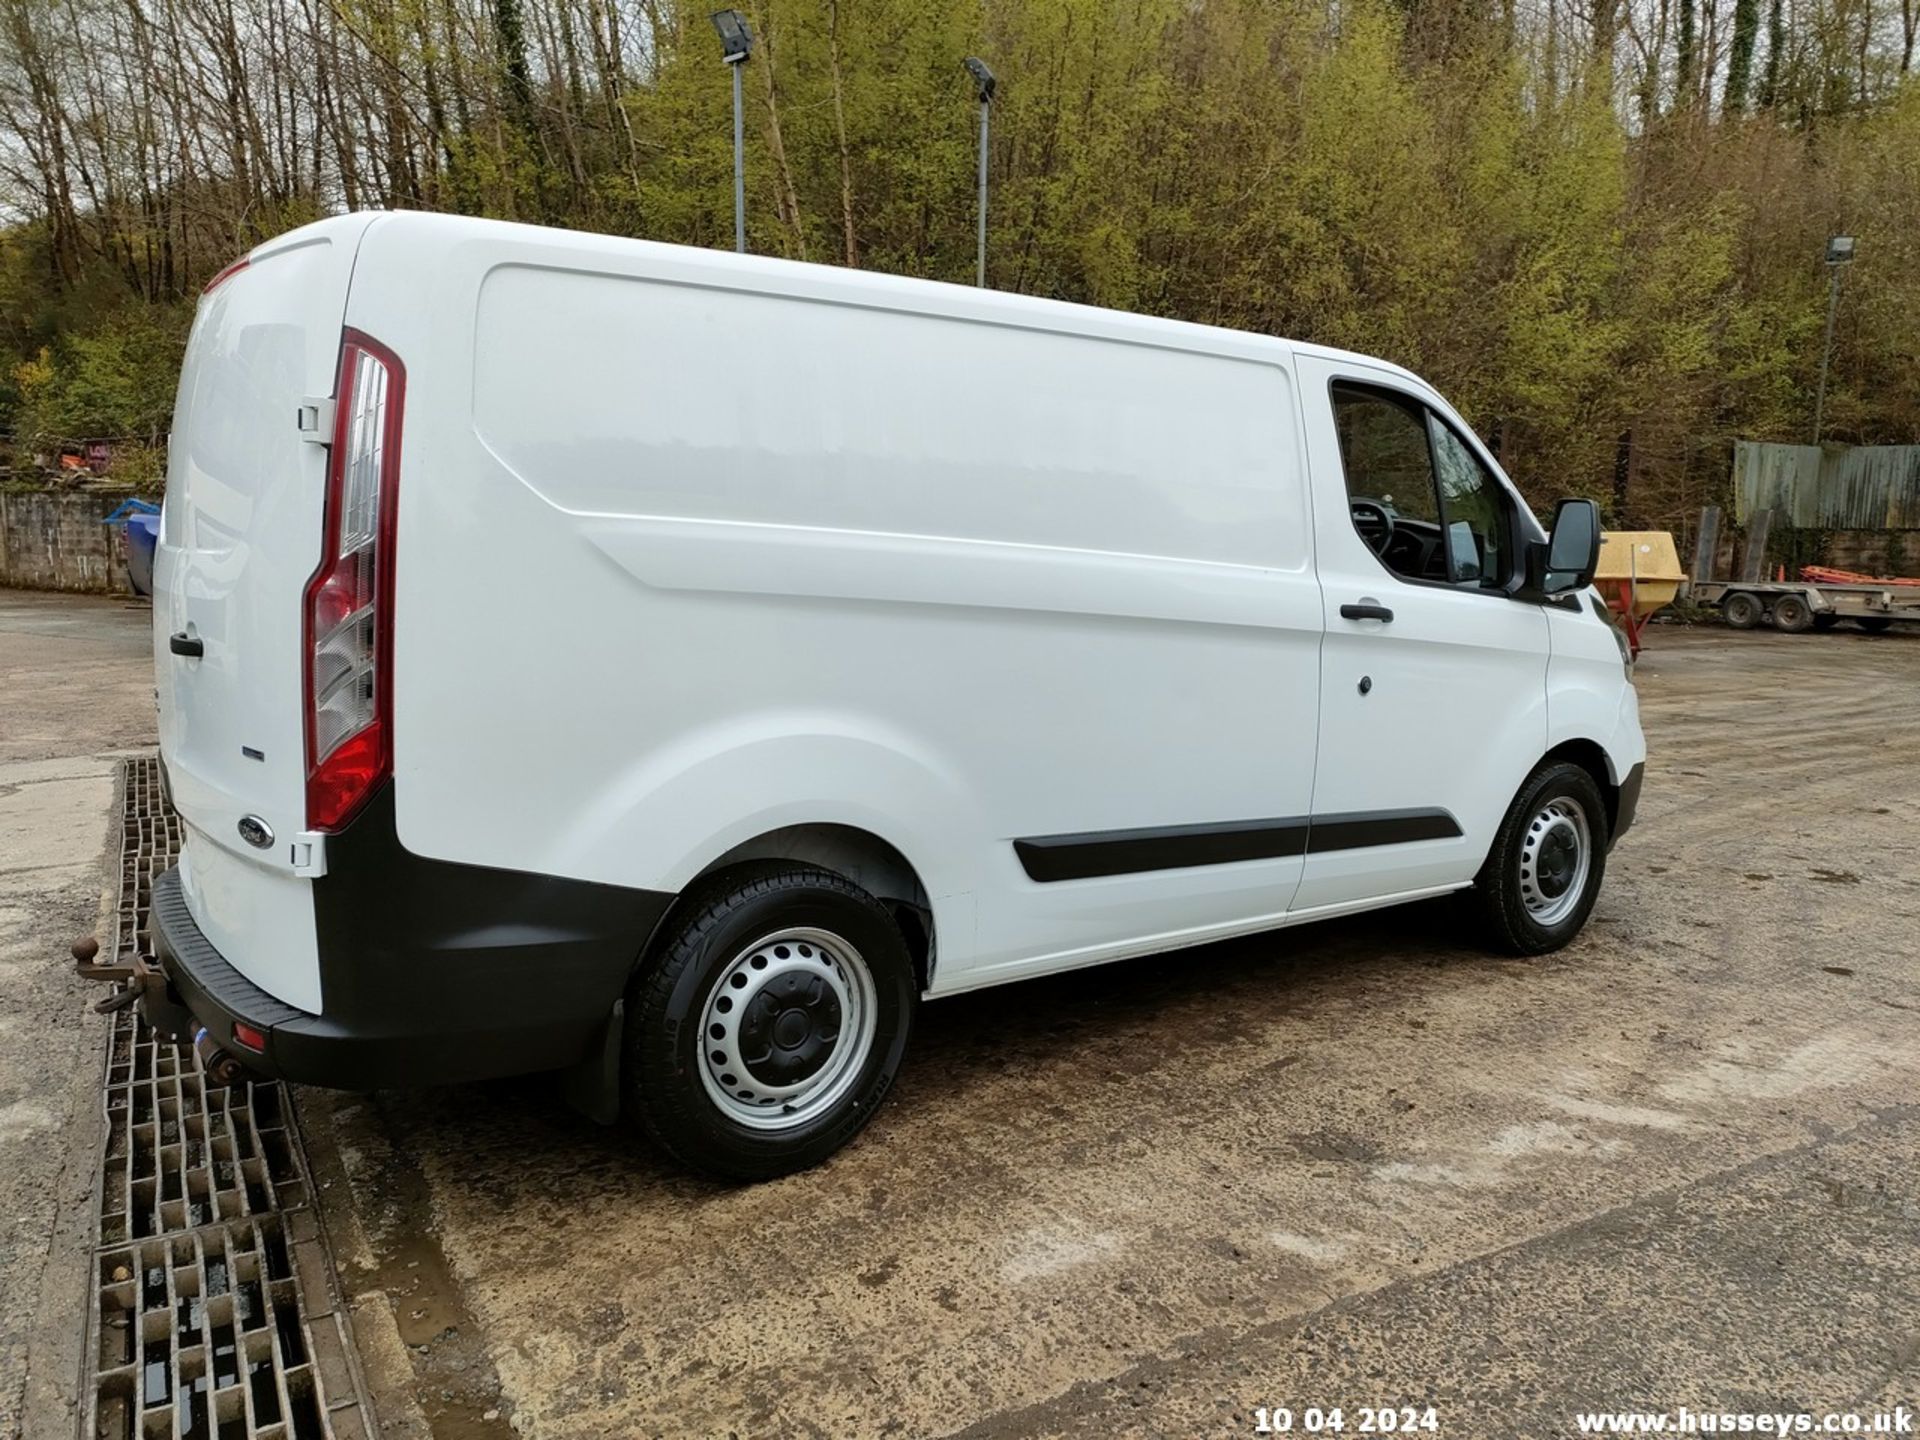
[(1367, 610), (190, 646)]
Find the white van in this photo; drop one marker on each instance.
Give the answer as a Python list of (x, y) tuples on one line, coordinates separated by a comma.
[(673, 666)]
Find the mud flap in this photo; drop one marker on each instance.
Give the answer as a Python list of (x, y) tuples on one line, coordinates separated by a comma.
[(592, 1083)]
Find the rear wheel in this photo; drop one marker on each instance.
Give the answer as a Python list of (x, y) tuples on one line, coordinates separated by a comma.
[(1543, 873), (1792, 614), (767, 1026), (1741, 610), (1874, 624)]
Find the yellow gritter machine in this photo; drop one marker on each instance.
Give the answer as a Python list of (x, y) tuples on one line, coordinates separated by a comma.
[(1639, 573)]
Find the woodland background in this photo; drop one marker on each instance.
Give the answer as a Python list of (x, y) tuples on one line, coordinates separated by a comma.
[(1596, 225)]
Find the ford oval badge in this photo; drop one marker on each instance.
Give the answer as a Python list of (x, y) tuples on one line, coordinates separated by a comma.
[(256, 832)]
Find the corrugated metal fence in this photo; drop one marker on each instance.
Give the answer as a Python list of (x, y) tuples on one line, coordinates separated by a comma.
[(1829, 487)]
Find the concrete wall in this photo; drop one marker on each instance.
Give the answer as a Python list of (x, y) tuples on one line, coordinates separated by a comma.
[(54, 541), (1873, 552)]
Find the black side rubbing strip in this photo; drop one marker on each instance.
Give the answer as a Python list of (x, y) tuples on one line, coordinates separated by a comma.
[(1085, 856), (1166, 847), (1364, 828)]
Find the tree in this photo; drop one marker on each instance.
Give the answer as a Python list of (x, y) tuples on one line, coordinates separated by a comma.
[(1746, 24)]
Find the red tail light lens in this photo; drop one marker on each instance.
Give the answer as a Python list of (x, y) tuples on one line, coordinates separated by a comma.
[(225, 275), (349, 601)]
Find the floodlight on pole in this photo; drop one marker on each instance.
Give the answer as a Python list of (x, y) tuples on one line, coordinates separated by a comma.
[(736, 44), (984, 85), (1840, 253)]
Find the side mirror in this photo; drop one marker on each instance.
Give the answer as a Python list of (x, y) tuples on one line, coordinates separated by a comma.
[(1571, 553)]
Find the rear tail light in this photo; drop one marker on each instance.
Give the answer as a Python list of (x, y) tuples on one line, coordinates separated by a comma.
[(226, 274), (348, 633)]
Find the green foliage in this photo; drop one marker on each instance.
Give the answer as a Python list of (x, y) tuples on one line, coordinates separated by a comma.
[(117, 381)]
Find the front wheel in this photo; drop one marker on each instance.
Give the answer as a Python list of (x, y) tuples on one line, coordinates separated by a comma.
[(768, 1024), (1543, 873)]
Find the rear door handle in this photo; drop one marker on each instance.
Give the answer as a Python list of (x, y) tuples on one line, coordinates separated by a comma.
[(190, 646), (1367, 610)]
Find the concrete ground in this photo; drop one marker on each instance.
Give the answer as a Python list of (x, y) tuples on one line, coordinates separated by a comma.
[(76, 685), (1354, 1164)]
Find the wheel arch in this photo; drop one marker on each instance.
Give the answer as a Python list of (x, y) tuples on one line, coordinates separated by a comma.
[(860, 856), (1590, 756)]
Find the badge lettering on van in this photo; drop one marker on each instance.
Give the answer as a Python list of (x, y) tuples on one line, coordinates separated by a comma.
[(256, 832)]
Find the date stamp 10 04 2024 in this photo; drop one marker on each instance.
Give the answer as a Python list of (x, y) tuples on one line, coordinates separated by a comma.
[(1345, 1419)]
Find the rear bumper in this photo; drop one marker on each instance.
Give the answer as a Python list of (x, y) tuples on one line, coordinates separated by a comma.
[(431, 973)]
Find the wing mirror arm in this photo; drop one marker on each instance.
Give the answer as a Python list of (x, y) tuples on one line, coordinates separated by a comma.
[(1533, 579), (1566, 560)]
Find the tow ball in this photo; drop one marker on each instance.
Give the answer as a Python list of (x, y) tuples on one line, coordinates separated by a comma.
[(134, 979)]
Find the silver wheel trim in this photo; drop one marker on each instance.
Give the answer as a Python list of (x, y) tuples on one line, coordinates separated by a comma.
[(747, 1101), (1565, 816)]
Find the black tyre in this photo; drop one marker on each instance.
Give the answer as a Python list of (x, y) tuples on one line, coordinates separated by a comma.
[(1874, 624), (1824, 623), (1543, 873), (1792, 615), (765, 1028), (1741, 610)]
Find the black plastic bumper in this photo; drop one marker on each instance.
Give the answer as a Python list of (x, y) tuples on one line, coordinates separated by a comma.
[(430, 972), (1629, 802)]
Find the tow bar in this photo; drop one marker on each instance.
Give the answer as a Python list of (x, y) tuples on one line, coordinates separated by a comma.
[(136, 979), (166, 1017)]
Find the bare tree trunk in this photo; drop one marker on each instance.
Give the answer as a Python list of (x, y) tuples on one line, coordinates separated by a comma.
[(1746, 27), (840, 133), (787, 196), (1685, 83), (1776, 51)]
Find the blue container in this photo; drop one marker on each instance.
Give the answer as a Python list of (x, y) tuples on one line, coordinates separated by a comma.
[(143, 533), (140, 520)]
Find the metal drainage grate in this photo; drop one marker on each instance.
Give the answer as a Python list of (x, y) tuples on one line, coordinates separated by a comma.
[(214, 1313)]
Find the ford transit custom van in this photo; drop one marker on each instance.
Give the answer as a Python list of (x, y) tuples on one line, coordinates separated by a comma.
[(672, 667)]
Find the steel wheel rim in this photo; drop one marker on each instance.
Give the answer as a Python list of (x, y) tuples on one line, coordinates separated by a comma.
[(1556, 856), (763, 1067)]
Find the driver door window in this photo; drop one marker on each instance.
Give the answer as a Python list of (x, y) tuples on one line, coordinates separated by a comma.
[(1420, 498), (1388, 459)]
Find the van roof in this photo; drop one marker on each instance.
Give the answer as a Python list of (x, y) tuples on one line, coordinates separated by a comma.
[(441, 230)]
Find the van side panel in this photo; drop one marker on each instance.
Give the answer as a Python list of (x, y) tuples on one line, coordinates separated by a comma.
[(693, 550)]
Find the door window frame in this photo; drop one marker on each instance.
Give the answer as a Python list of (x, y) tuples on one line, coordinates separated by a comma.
[(1429, 415)]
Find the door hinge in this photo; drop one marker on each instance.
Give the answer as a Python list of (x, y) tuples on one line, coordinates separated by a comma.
[(307, 852), (314, 420)]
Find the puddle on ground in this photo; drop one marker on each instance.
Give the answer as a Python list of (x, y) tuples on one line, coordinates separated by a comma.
[(454, 1382)]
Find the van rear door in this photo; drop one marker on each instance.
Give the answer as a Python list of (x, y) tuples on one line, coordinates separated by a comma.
[(240, 536)]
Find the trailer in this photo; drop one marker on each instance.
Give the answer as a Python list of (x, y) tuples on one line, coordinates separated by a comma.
[(1795, 606)]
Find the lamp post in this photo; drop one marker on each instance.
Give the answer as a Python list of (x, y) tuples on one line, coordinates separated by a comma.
[(1839, 256), (736, 44), (983, 85)]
